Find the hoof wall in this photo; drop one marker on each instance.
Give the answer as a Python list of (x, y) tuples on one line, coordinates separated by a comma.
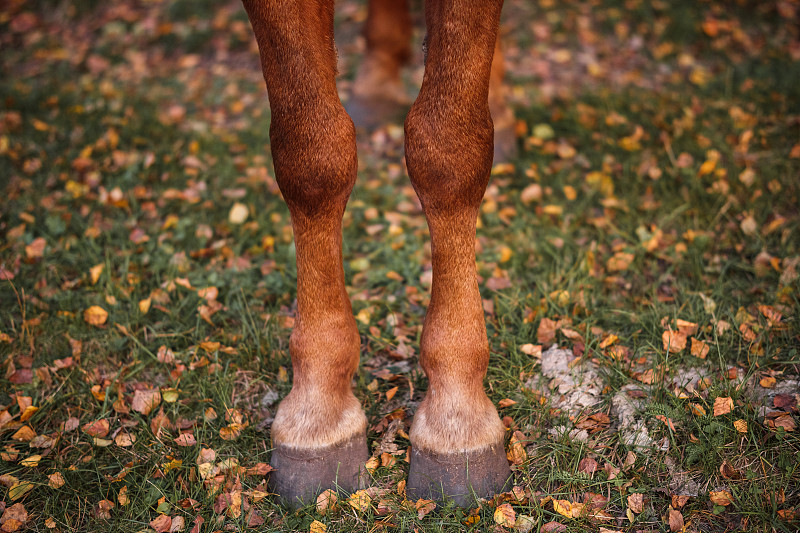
[(301, 475), (461, 477)]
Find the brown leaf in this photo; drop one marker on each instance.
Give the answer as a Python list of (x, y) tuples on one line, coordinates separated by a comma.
[(24, 434), (504, 515), (679, 500), (587, 465), (144, 401), (186, 439), (675, 520), (516, 453), (97, 428), (546, 334), (505, 402), (728, 471), (161, 523), (553, 527), (723, 406), (636, 502), (15, 516)]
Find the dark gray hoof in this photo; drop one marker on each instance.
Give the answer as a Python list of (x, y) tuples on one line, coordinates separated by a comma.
[(301, 475), (461, 477)]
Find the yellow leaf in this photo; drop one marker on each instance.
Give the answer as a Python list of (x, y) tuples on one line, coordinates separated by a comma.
[(18, 490), (144, 305), (504, 515), (372, 463), (95, 315), (505, 254), (317, 527), (31, 461), (95, 271), (555, 210), (359, 500), (563, 507), (391, 392), (740, 425)]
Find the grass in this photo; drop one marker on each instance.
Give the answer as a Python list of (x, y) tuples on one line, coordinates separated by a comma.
[(654, 183)]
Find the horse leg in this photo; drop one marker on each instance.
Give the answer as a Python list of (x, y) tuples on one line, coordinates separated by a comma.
[(378, 93), (457, 438), (319, 432)]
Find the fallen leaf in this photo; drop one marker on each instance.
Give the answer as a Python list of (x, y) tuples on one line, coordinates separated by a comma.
[(326, 501), (675, 520), (95, 315), (636, 502), (740, 425), (721, 497), (238, 213), (699, 348), (359, 500), (97, 428), (18, 490), (122, 496), (516, 453), (424, 507), (673, 341), (31, 461), (185, 439), (144, 401), (161, 523), (317, 527), (553, 527), (723, 406), (768, 382), (504, 515), (587, 465), (14, 518)]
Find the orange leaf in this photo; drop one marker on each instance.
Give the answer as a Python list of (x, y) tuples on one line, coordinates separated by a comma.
[(721, 497), (699, 348), (723, 406)]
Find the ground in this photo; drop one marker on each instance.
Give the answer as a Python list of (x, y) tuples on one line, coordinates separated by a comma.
[(638, 259)]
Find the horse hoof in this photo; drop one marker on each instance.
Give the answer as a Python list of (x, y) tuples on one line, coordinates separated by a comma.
[(460, 477), (301, 475)]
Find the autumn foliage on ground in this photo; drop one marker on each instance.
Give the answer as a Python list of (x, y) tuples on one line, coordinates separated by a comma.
[(638, 262)]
